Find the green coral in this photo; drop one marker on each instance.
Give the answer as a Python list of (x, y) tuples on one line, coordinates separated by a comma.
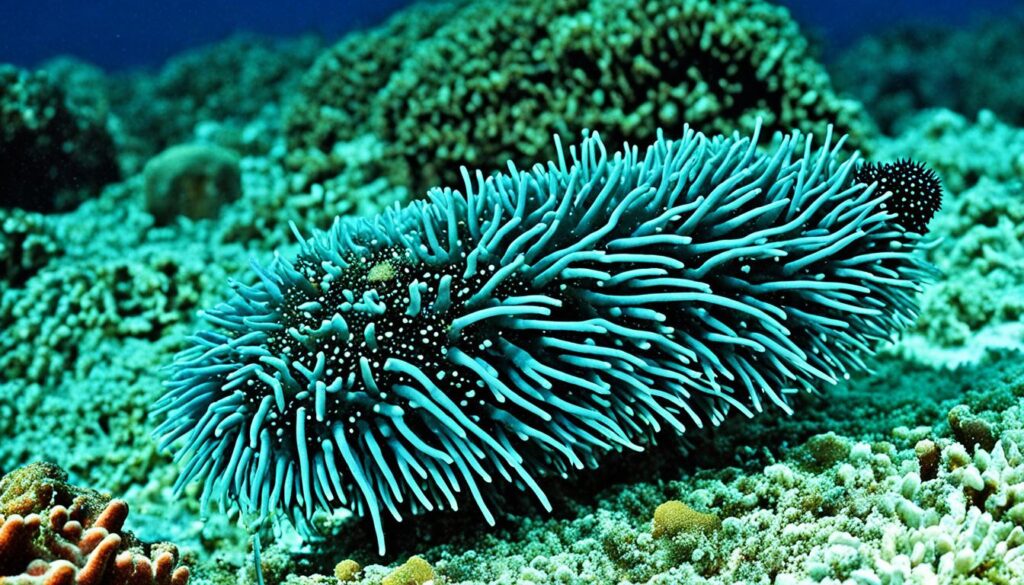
[(84, 340), (480, 83), (983, 259), (210, 93), (27, 244), (339, 92), (59, 312), (959, 149), (54, 152)]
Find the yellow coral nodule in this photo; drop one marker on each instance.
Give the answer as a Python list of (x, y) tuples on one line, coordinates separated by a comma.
[(346, 570), (674, 517), (415, 571)]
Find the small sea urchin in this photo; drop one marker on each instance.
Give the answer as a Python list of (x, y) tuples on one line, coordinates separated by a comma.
[(526, 326), (916, 191)]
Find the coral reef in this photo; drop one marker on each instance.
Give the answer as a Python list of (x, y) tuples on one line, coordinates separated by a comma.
[(898, 73), (81, 542), (338, 94), (984, 258), (480, 83), (960, 150), (54, 152), (621, 294), (868, 516), (191, 180), (85, 86), (910, 473), (214, 90), (26, 245), (62, 309)]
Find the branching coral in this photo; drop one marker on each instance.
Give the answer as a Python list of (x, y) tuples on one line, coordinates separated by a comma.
[(82, 543), (80, 554), (26, 245), (540, 319), (135, 296), (479, 83)]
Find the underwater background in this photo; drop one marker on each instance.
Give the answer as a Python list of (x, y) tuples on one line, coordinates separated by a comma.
[(148, 152)]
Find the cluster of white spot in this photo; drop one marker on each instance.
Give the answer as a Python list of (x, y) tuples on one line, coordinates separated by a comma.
[(916, 193)]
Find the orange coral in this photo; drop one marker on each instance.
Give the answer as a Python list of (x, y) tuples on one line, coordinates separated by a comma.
[(66, 551)]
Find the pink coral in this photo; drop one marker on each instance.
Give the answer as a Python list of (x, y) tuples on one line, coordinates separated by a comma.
[(69, 550)]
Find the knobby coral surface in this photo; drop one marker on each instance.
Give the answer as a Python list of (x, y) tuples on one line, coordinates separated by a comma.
[(47, 543), (480, 83)]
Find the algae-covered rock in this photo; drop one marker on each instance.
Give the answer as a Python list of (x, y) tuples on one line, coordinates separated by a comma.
[(54, 153), (39, 486), (191, 180)]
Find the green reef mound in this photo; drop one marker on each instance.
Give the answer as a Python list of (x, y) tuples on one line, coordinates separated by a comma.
[(480, 83), (910, 473)]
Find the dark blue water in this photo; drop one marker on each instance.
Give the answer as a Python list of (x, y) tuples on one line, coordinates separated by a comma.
[(840, 23), (119, 34)]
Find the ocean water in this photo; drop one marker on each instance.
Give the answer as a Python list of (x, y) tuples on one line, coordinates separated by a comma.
[(314, 295)]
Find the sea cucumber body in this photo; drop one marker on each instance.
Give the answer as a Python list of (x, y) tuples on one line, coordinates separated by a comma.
[(536, 320)]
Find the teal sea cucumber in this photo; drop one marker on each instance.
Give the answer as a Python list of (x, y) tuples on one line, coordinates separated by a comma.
[(524, 327)]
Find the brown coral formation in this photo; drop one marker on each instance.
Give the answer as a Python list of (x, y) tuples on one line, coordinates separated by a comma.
[(82, 543)]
